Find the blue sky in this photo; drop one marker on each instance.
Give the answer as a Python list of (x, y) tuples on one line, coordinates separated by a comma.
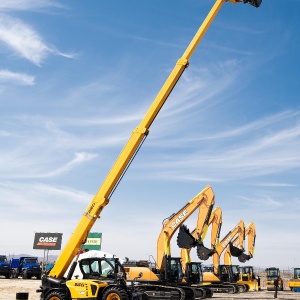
[(77, 77)]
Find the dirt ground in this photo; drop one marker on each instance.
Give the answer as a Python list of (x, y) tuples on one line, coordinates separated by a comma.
[(9, 288)]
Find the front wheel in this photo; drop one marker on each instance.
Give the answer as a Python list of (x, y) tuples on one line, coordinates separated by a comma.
[(114, 293), (55, 296)]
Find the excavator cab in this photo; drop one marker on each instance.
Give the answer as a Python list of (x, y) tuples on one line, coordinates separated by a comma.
[(236, 272), (173, 271), (226, 273), (193, 272)]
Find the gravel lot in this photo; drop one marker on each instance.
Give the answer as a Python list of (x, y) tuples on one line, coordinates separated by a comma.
[(9, 288)]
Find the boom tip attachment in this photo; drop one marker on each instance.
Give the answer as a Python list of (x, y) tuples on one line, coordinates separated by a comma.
[(255, 3)]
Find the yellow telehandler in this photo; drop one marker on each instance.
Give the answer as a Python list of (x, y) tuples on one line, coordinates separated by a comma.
[(55, 286)]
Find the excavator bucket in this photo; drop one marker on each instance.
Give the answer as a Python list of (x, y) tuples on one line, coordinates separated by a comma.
[(244, 257), (185, 239), (235, 251), (255, 3), (203, 252)]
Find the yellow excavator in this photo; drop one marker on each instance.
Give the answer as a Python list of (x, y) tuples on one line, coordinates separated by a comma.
[(245, 274), (193, 270), (168, 270), (222, 275), (55, 286), (213, 276)]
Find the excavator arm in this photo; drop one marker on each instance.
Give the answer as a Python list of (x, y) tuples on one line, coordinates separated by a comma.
[(204, 201), (238, 230), (199, 234), (250, 234)]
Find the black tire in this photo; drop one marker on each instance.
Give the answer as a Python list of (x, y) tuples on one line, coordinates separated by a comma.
[(7, 276), (242, 288), (208, 293), (39, 276), (114, 293), (24, 274), (55, 296), (14, 273)]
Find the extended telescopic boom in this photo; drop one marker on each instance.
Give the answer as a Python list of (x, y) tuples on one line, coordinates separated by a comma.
[(101, 199)]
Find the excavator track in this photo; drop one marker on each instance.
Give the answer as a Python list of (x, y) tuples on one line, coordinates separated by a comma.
[(155, 292), (193, 293), (224, 288)]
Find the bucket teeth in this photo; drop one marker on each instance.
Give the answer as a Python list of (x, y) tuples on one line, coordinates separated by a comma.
[(235, 251), (203, 252)]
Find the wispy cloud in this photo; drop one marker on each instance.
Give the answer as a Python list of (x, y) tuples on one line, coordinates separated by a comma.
[(25, 41), (17, 78), (271, 147), (78, 160), (7, 5)]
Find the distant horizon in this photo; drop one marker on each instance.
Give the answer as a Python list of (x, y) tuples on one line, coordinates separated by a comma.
[(54, 258)]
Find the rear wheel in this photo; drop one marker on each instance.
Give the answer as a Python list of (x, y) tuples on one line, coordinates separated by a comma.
[(115, 294), (55, 296)]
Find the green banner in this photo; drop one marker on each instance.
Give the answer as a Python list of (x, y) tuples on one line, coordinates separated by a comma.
[(93, 241)]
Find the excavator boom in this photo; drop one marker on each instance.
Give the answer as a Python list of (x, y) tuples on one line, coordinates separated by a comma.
[(238, 230), (204, 201), (186, 241), (250, 234)]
